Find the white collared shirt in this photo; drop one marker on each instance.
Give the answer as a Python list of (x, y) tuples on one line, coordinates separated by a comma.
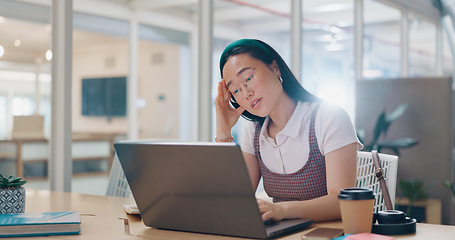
[(333, 128)]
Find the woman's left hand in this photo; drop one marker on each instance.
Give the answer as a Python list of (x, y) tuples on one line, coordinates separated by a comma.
[(272, 211)]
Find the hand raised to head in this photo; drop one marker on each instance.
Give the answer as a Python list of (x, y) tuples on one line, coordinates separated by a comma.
[(226, 115)]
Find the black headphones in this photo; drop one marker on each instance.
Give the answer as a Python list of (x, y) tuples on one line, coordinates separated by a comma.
[(393, 222)]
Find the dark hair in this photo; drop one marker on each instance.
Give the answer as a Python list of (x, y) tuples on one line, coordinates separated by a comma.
[(262, 51)]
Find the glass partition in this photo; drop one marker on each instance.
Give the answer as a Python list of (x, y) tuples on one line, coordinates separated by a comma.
[(328, 51), (164, 84), (25, 38), (268, 21), (381, 41), (101, 56), (99, 115), (422, 47)]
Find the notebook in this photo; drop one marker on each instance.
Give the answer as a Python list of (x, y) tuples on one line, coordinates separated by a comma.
[(197, 187), (39, 224)]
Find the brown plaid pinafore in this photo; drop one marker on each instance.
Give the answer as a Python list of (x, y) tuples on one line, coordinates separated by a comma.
[(307, 183)]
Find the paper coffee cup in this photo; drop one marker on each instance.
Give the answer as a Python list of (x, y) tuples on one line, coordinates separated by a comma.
[(356, 206)]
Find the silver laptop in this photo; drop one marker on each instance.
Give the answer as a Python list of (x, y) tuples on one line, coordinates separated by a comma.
[(196, 187)]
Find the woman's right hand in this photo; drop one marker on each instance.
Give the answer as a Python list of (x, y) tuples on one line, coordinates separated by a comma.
[(226, 116)]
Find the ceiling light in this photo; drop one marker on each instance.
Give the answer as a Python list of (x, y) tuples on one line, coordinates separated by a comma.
[(17, 43), (2, 50), (48, 55)]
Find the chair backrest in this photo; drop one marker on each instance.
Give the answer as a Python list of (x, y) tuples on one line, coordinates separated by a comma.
[(117, 185), (367, 179)]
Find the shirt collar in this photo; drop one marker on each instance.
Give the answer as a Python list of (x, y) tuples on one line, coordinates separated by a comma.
[(292, 127), (294, 124)]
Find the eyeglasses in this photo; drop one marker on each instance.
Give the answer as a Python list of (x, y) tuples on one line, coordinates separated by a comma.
[(244, 78)]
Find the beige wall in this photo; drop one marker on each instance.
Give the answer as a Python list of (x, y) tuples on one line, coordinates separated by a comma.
[(159, 66), (158, 75)]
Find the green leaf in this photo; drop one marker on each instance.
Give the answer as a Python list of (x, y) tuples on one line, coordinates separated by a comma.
[(5, 181), (385, 128), (2, 178), (450, 186), (11, 181), (14, 180), (398, 143), (397, 113)]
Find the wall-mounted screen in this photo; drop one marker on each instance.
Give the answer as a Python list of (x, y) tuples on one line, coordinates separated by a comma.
[(104, 97)]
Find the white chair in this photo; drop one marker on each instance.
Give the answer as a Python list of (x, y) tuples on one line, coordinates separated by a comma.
[(117, 185), (367, 179)]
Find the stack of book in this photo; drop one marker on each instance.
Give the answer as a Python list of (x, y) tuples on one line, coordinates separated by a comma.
[(39, 224)]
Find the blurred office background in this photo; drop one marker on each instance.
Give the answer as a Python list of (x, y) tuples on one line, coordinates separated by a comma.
[(144, 69)]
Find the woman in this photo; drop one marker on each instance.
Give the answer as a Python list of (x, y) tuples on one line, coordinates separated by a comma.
[(304, 149)]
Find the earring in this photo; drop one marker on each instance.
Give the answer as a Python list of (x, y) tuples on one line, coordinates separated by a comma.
[(281, 80)]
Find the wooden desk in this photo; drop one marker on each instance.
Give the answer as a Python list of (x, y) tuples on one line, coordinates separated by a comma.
[(84, 148), (102, 216)]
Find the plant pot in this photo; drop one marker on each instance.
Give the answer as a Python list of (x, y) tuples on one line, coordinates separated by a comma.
[(12, 200)]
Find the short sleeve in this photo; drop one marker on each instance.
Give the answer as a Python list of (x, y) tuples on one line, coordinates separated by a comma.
[(246, 143), (334, 129)]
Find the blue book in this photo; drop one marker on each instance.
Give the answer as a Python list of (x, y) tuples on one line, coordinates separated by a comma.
[(39, 224)]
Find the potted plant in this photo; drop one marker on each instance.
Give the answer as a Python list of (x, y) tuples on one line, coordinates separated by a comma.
[(413, 191), (12, 194), (416, 202), (381, 128)]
